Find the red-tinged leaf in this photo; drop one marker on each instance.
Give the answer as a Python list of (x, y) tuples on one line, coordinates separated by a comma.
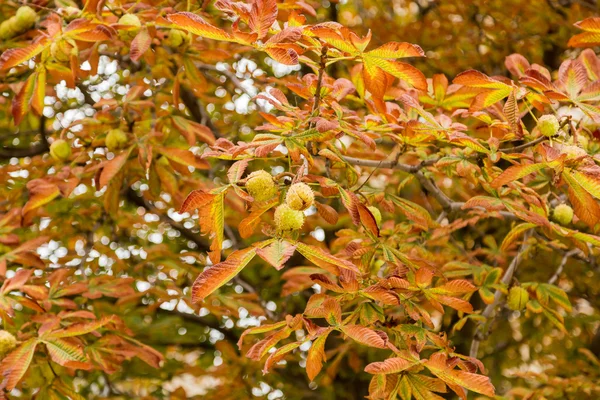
[(366, 336), (282, 54), (195, 200), (457, 304), (327, 212), (202, 132), (368, 220), (87, 31), (236, 171), (516, 64), (216, 276), (277, 253), (41, 197), (18, 280), (515, 172), (480, 80), (14, 365), (140, 44), (393, 50), (13, 57), (145, 353), (183, 157), (64, 352), (333, 38), (22, 101), (82, 329), (249, 224), (514, 234), (454, 287), (397, 69), (262, 15), (316, 356), (198, 26), (458, 379), (113, 167), (590, 181), (278, 355), (390, 366), (591, 36), (318, 256), (260, 329), (584, 205)]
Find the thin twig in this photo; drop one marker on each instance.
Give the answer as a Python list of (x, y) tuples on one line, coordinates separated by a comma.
[(560, 268)]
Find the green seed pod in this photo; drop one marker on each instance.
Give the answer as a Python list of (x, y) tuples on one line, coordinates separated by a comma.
[(563, 214), (60, 150), (24, 19), (176, 38), (115, 139), (132, 21), (517, 298), (287, 219), (6, 29)]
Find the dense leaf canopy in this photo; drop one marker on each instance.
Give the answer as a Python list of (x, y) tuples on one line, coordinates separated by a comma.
[(299, 199)]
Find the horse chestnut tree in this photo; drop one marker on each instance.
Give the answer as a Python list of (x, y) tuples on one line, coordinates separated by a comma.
[(299, 199)]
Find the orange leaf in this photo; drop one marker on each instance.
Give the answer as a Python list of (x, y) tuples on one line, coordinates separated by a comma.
[(262, 15), (216, 276), (366, 336), (196, 25), (14, 365), (195, 200), (456, 379), (140, 44), (390, 366), (316, 356), (13, 57), (277, 253), (113, 167)]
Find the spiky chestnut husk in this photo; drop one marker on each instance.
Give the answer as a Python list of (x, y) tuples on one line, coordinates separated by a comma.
[(517, 298), (300, 197), (7, 342), (115, 139), (260, 185), (376, 213), (548, 125), (176, 38), (60, 150), (287, 219), (563, 214), (24, 19)]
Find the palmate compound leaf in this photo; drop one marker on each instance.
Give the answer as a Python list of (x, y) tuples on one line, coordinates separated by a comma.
[(216, 276), (458, 380)]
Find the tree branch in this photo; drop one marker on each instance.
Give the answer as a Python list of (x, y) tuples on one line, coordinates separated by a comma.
[(490, 308)]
